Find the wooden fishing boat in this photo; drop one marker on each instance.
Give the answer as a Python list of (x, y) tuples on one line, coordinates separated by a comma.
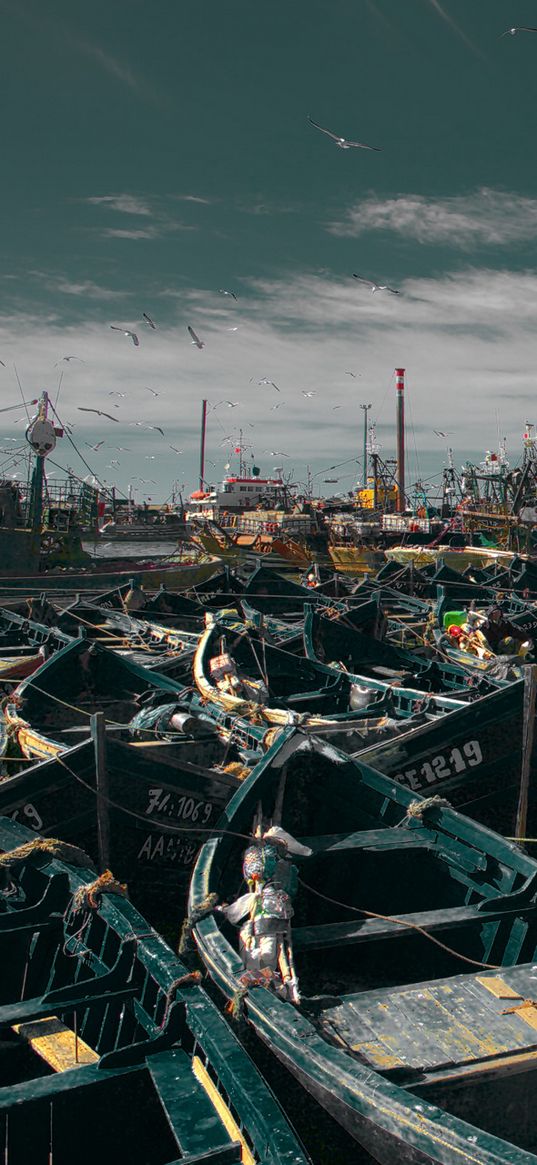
[(57, 702), (111, 1050), (164, 791), (104, 575), (411, 959), (337, 644), (148, 643)]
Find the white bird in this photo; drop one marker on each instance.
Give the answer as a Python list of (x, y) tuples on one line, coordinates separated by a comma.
[(82, 409), (114, 393), (94, 447), (353, 374), (150, 457), (375, 286), (265, 380), (440, 433), (149, 321), (334, 407), (147, 481), (518, 28), (121, 449), (174, 449), (275, 453), (231, 404), (222, 291), (232, 329), (312, 393), (142, 425), (278, 406), (195, 339), (343, 143), (67, 358), (126, 332), (151, 390)]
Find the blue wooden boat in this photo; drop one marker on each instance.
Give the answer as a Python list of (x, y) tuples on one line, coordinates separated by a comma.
[(111, 1050), (45, 711), (402, 993)]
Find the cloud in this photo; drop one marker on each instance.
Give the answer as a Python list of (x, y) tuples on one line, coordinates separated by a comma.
[(193, 198), (125, 203), (125, 233), (485, 217)]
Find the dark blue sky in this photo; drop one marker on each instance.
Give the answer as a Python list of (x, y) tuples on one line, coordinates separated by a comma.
[(156, 154)]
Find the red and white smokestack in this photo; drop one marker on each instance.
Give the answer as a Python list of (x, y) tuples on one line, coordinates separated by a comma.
[(400, 406)]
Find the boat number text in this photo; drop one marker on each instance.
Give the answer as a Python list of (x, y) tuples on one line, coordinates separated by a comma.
[(443, 766), (184, 808), (29, 814), (169, 849)]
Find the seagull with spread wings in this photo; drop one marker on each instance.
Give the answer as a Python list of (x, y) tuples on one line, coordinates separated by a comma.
[(68, 358), (149, 321), (94, 447), (143, 425), (308, 394), (148, 389), (82, 409), (195, 339), (224, 291), (374, 286), (275, 453), (175, 449), (126, 332), (517, 28), (265, 380), (343, 143), (440, 433)]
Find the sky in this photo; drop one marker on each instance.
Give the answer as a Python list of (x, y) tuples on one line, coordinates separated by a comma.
[(157, 155)]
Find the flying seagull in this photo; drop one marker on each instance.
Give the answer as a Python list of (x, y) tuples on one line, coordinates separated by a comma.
[(223, 291), (146, 386), (440, 433), (343, 143), (518, 28), (114, 393), (265, 380), (67, 358), (312, 393), (195, 339), (94, 447), (175, 449), (149, 321), (275, 453), (143, 425), (82, 409), (126, 332), (353, 374), (375, 286)]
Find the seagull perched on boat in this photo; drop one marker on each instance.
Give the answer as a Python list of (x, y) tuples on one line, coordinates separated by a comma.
[(149, 321), (223, 291), (82, 409), (375, 286), (195, 339), (67, 359), (126, 332), (343, 143), (94, 447), (517, 28)]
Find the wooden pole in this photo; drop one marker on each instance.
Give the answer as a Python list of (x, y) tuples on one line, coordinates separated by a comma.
[(530, 690), (98, 735)]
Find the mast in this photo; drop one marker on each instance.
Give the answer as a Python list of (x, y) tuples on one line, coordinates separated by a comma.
[(366, 409), (202, 442), (400, 406)]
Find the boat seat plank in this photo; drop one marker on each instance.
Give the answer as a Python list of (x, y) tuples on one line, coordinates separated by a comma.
[(191, 1115), (56, 1043), (389, 838), (369, 929), (442, 1027), (39, 1008)]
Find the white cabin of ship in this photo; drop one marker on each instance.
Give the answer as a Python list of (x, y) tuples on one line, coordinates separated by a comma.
[(236, 494)]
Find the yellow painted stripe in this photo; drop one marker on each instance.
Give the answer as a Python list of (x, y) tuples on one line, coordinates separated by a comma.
[(498, 987), (56, 1044), (525, 1010), (231, 1126)]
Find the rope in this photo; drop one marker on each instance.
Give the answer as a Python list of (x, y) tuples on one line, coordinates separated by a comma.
[(416, 809), (50, 847), (89, 896), (205, 907)]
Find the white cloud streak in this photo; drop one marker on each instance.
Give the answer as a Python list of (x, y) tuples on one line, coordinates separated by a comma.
[(124, 203), (485, 217)]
